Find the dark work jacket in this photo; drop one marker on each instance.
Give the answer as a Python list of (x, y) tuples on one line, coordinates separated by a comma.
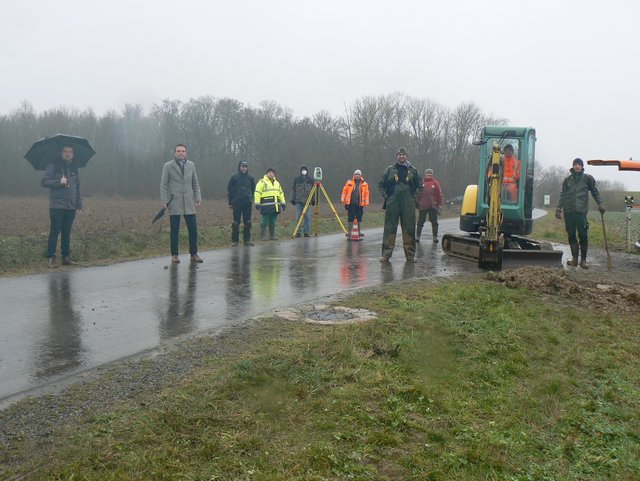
[(302, 186), (241, 188), (61, 197), (574, 196), (390, 179)]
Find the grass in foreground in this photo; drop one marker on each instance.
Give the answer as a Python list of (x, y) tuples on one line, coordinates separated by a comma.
[(461, 380)]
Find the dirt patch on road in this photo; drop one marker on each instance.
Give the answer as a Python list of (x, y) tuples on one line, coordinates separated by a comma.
[(605, 292)]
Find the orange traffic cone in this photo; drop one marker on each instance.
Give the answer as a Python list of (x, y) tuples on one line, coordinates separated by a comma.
[(355, 232)]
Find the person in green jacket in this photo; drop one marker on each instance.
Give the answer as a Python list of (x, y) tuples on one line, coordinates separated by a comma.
[(400, 187), (574, 201), (269, 200)]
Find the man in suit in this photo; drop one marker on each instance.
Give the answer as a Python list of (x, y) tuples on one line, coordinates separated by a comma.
[(180, 193)]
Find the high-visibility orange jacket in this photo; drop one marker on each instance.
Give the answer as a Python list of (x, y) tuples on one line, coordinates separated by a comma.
[(347, 190), (511, 170)]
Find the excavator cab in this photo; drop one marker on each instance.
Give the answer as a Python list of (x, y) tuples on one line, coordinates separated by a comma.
[(497, 211), (517, 186)]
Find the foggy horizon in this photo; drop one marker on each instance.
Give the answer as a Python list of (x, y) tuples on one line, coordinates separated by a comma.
[(566, 68)]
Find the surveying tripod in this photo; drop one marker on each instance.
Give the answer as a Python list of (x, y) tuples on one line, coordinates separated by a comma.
[(314, 195)]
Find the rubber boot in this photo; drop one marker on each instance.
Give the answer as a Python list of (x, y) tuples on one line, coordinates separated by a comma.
[(235, 233), (272, 232), (574, 254), (434, 233), (263, 232), (583, 257), (246, 234), (418, 232)]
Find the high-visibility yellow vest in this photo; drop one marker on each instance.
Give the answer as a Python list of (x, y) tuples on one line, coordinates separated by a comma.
[(269, 195)]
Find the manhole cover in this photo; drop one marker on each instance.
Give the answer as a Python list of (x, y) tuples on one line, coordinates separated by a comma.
[(331, 315), (337, 315), (324, 314)]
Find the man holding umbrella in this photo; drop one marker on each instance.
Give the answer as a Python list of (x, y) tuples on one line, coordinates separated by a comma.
[(62, 180)]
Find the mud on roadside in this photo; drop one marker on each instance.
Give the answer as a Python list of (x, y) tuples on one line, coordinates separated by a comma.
[(615, 290)]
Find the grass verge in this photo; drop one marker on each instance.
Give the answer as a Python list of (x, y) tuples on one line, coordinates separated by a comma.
[(455, 380), (551, 229), (96, 244)]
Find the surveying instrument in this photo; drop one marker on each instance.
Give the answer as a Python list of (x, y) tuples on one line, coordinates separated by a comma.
[(314, 196), (628, 207)]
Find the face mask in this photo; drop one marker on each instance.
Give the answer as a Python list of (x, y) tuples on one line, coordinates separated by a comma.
[(303, 172)]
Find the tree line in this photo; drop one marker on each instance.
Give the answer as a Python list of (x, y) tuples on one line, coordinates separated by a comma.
[(132, 145)]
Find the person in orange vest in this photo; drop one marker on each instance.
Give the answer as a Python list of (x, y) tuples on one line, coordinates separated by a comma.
[(355, 197), (429, 203), (511, 177)]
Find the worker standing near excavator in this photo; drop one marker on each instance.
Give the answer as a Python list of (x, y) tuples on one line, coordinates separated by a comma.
[(400, 186), (574, 201), (429, 204)]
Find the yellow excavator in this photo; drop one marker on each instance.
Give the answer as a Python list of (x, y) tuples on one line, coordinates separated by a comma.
[(497, 212)]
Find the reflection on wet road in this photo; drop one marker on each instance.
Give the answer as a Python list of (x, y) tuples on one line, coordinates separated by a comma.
[(59, 348), (61, 323)]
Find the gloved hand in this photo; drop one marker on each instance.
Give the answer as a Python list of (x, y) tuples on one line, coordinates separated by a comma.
[(293, 202), (257, 207), (284, 206), (230, 206), (558, 213), (346, 207), (601, 209)]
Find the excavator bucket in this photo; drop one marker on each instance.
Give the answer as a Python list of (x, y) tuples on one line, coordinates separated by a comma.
[(520, 251)]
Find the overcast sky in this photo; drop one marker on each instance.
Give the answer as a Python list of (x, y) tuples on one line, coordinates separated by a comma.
[(571, 69)]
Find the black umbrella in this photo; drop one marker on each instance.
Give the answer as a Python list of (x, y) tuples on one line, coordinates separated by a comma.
[(161, 213), (47, 150)]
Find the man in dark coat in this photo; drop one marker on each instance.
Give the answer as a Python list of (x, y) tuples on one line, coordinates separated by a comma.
[(61, 178), (240, 195), (574, 200), (400, 186), (302, 186)]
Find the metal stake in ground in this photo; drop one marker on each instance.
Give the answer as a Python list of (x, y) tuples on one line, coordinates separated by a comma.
[(606, 244)]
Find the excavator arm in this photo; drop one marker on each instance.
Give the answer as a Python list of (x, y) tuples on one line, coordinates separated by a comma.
[(491, 239)]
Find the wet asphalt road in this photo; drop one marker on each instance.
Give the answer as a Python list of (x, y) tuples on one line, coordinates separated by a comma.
[(58, 324)]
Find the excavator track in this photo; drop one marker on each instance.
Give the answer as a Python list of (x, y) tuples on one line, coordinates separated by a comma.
[(517, 250)]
